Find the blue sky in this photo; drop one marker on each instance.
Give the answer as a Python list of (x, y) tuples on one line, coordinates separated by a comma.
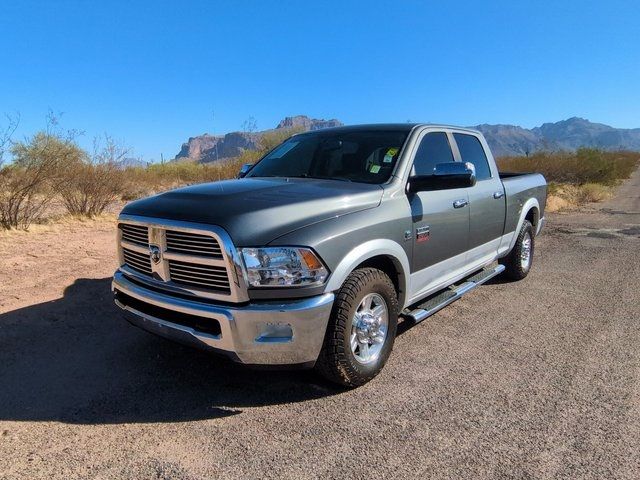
[(154, 73)]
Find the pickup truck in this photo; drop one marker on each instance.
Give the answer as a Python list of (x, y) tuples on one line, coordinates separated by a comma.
[(313, 254)]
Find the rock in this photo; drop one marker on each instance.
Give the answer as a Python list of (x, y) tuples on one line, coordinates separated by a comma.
[(210, 148)]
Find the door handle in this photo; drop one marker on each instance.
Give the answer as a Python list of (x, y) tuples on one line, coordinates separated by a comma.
[(497, 195), (460, 203)]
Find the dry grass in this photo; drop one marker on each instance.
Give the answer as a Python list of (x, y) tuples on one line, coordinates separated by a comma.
[(575, 178), (60, 224), (586, 165), (156, 178)]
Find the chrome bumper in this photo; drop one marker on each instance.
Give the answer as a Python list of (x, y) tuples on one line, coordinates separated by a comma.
[(267, 333)]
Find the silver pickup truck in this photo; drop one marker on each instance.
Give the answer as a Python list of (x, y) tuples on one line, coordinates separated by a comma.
[(313, 254)]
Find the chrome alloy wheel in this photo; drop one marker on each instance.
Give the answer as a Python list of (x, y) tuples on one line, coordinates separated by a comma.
[(525, 251), (369, 328)]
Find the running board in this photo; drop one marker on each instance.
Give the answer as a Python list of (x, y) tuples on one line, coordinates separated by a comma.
[(451, 294)]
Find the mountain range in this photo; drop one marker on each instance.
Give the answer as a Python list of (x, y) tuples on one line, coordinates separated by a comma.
[(504, 140)]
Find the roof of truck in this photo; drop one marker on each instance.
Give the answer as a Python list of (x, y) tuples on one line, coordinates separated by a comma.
[(395, 127)]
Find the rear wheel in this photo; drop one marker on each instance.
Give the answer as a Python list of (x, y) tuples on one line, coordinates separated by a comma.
[(361, 330), (518, 262)]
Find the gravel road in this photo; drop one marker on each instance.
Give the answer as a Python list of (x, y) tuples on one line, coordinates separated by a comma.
[(536, 379)]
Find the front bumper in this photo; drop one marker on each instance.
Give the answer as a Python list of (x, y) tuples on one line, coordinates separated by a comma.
[(267, 333)]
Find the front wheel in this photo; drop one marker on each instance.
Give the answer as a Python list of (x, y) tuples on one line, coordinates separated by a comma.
[(518, 262), (361, 330)]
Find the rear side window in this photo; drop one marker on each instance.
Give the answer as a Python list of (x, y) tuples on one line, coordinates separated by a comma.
[(471, 151), (434, 148)]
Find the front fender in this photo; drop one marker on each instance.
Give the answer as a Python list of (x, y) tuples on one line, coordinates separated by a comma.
[(365, 251)]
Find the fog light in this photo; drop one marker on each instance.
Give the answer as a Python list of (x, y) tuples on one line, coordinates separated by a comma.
[(275, 333)]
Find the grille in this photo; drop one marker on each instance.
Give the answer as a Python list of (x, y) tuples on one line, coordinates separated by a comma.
[(138, 261), (200, 276), (135, 233), (191, 260), (193, 244)]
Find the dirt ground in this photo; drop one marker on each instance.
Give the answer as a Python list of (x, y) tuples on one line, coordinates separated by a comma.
[(535, 379)]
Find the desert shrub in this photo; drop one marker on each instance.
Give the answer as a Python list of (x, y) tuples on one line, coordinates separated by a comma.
[(586, 165), (93, 183), (273, 138), (140, 182), (90, 188), (593, 192), (586, 175), (32, 180)]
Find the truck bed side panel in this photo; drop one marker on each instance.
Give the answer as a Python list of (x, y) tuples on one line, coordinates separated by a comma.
[(518, 190)]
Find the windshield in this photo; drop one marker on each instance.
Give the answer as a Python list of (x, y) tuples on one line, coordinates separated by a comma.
[(357, 156)]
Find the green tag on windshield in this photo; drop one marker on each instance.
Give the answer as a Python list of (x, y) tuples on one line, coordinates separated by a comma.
[(374, 168), (388, 158)]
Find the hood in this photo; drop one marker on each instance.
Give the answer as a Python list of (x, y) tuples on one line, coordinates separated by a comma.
[(256, 211)]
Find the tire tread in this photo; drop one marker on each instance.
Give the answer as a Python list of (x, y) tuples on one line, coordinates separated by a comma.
[(334, 362)]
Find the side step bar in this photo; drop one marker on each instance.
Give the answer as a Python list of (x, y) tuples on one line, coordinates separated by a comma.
[(451, 294)]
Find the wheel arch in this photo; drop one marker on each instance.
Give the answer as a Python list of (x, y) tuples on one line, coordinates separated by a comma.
[(529, 211), (386, 255)]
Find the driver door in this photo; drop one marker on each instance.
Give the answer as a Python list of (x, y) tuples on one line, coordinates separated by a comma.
[(440, 219)]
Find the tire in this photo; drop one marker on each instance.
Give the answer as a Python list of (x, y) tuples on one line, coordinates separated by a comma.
[(519, 260), (367, 292)]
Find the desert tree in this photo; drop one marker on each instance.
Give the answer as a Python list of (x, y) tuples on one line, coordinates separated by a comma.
[(96, 180), (34, 177)]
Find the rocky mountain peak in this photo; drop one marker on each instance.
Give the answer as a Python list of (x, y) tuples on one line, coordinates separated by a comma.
[(210, 148), (302, 121)]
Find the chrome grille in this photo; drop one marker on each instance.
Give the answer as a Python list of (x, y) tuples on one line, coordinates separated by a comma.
[(138, 261), (193, 244), (199, 276), (196, 259), (135, 233)]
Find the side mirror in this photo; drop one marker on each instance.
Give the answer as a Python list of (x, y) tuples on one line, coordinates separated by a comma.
[(244, 169), (445, 176)]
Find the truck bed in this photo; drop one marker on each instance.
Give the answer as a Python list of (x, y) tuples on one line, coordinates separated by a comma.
[(518, 188)]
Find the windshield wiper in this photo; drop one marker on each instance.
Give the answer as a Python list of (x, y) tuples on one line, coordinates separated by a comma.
[(306, 175), (341, 179)]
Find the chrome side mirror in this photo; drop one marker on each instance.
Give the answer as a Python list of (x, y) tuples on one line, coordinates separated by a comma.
[(245, 169), (445, 176)]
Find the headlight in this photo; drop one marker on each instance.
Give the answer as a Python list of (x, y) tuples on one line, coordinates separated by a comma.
[(283, 267)]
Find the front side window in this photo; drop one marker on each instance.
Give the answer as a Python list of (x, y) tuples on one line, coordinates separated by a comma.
[(366, 156), (434, 148), (471, 151)]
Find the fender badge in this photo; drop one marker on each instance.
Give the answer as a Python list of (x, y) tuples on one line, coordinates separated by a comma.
[(423, 233)]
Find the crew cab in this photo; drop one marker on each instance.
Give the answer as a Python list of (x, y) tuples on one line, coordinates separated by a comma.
[(312, 255)]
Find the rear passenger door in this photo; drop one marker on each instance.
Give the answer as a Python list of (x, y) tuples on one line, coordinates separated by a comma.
[(486, 201), (440, 229)]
